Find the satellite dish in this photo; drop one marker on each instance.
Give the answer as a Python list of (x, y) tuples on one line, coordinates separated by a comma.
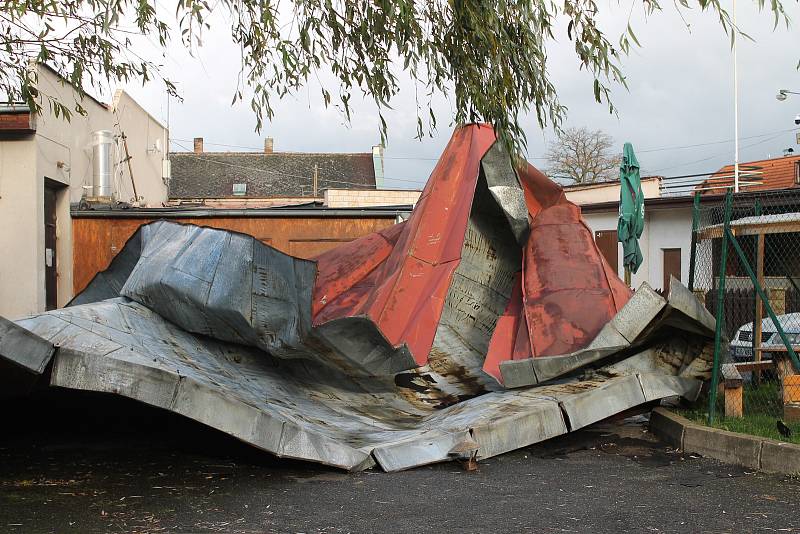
[(157, 146)]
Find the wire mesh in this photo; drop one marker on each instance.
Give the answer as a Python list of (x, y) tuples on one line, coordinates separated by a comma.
[(756, 295)]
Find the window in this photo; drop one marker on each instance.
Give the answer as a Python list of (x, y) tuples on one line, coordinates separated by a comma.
[(240, 189)]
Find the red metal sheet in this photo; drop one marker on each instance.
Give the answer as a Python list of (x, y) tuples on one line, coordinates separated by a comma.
[(564, 276), (399, 278), (408, 286)]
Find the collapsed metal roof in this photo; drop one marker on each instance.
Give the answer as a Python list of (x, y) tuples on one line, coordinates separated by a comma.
[(489, 316)]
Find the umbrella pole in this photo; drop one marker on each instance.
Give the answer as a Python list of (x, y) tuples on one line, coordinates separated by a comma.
[(628, 277)]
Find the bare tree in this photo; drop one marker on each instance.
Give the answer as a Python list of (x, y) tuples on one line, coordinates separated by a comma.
[(583, 156)]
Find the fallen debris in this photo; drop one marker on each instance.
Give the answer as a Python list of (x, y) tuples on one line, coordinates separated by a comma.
[(488, 319)]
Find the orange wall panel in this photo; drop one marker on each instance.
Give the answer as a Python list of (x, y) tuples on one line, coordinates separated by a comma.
[(97, 240)]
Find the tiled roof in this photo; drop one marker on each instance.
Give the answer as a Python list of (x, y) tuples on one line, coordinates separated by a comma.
[(775, 173), (277, 174)]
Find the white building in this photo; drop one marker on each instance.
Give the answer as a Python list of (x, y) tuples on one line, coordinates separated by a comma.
[(45, 165), (666, 239)]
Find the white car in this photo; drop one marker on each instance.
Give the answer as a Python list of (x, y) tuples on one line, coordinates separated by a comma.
[(742, 342)]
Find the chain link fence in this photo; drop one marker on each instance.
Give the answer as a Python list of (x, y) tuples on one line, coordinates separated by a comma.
[(745, 267)]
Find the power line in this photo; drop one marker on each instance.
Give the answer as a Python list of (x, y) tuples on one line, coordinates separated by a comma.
[(714, 142), (723, 154)]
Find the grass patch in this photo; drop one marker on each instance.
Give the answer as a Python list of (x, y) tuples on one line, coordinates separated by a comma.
[(762, 409)]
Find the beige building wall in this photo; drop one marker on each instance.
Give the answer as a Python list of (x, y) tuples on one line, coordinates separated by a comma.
[(147, 144), (608, 192), (355, 198), (60, 152), (20, 209)]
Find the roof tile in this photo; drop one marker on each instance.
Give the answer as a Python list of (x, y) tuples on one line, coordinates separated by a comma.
[(212, 174)]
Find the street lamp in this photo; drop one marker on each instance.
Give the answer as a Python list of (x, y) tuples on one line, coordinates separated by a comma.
[(784, 93)]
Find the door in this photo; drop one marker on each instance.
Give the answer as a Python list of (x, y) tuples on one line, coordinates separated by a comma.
[(672, 265), (607, 243), (50, 273)]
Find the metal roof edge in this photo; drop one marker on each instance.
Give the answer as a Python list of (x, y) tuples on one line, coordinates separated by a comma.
[(656, 203), (172, 213)]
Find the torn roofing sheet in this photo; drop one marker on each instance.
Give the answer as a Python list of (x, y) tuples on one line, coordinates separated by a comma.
[(393, 349), (399, 278)]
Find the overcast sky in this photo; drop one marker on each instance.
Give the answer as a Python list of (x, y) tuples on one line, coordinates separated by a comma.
[(680, 93)]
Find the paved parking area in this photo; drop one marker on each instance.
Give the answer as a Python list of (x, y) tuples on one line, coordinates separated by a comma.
[(90, 463)]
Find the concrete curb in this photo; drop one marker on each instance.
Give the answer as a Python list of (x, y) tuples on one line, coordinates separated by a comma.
[(740, 449)]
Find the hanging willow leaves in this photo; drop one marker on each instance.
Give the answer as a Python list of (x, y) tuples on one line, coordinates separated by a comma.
[(489, 57)]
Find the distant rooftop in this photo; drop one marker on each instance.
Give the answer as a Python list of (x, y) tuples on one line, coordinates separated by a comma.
[(267, 174), (759, 175)]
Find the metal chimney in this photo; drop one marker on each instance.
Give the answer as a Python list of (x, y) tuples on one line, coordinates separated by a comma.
[(377, 164), (102, 164)]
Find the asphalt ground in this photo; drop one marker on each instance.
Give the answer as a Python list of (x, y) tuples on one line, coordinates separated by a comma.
[(74, 462)]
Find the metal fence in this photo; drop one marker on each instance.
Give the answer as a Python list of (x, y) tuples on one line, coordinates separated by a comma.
[(745, 266)]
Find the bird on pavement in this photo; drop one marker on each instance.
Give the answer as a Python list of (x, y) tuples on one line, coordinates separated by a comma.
[(785, 431)]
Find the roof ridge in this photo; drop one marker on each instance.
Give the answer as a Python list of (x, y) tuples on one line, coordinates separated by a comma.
[(256, 153), (781, 158)]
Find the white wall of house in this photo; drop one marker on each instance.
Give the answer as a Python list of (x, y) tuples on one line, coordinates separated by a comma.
[(60, 151), (663, 229)]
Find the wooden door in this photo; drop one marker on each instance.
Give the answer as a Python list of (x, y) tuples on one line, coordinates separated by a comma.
[(672, 265), (607, 243), (50, 272)]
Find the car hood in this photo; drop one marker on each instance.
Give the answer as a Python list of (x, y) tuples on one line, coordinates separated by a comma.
[(790, 322)]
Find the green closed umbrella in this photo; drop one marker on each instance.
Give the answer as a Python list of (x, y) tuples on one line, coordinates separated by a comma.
[(631, 211)]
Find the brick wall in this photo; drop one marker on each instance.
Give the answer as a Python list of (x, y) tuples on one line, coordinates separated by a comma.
[(354, 198)]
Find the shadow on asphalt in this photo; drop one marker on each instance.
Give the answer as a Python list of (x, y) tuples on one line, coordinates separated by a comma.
[(87, 462)]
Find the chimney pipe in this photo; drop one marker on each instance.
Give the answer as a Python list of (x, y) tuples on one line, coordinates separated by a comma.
[(268, 143), (198, 145), (377, 164)]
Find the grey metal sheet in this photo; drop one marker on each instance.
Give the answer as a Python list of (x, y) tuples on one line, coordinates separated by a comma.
[(587, 402), (638, 313), (548, 368), (24, 348), (504, 187), (518, 373)]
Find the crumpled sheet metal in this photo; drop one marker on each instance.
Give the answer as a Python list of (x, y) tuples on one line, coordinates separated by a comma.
[(392, 349), (295, 409)]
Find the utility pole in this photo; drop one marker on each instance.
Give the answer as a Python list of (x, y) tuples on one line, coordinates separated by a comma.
[(735, 106)]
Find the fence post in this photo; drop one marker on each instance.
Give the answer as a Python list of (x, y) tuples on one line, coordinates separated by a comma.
[(757, 306), (693, 251), (712, 393)]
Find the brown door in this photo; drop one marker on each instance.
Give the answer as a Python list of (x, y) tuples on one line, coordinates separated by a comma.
[(50, 273), (607, 243), (672, 265)]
